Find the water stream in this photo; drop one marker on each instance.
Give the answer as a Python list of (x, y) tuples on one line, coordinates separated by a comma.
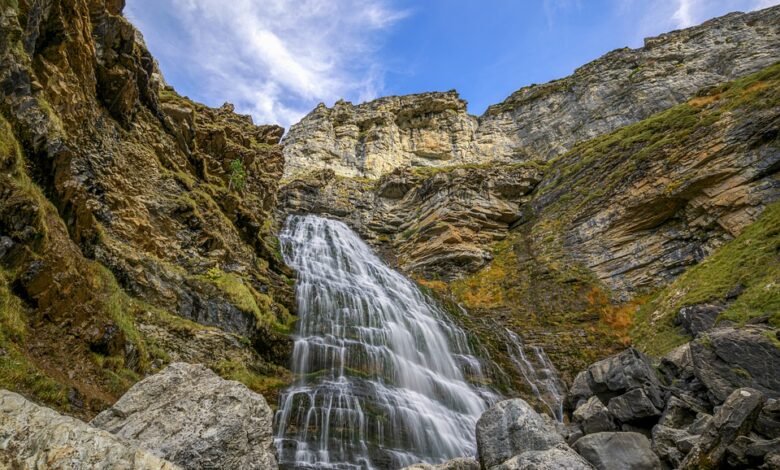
[(383, 378)]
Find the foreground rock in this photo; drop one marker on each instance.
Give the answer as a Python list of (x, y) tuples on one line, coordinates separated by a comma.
[(189, 415), (618, 451), (511, 436), (454, 464), (35, 437)]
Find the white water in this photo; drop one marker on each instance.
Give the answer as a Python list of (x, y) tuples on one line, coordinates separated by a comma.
[(380, 370), (542, 378)]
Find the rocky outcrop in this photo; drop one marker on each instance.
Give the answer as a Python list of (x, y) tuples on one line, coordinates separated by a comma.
[(698, 418), (126, 207), (625, 86), (190, 416), (538, 122), (374, 138), (38, 437), (433, 223)]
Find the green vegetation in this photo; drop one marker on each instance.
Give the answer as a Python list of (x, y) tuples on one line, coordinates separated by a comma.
[(237, 178), (749, 261), (246, 298), (430, 171), (264, 384), (17, 371)]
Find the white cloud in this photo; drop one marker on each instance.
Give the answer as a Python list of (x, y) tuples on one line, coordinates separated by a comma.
[(274, 59)]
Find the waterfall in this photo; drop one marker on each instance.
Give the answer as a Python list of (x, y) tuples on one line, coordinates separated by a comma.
[(383, 378), (541, 377)]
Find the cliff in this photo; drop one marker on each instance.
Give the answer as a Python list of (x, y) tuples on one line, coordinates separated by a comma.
[(538, 122), (135, 224)]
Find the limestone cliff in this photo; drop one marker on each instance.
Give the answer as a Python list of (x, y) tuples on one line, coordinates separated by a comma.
[(134, 223), (539, 122)]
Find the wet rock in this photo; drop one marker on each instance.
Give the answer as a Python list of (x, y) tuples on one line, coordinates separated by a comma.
[(188, 414), (698, 318), (733, 419), (729, 358), (510, 428), (454, 464), (593, 416), (618, 451), (38, 437), (560, 457)]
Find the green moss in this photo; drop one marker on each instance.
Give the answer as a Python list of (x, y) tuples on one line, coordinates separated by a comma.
[(17, 371), (265, 385), (750, 261)]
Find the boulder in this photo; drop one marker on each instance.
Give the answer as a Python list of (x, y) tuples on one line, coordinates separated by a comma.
[(593, 416), (733, 419), (698, 318), (681, 412), (454, 464), (672, 445), (510, 428), (622, 372), (35, 437), (725, 359), (632, 406), (752, 452), (191, 416), (580, 390), (768, 423), (560, 457), (618, 451)]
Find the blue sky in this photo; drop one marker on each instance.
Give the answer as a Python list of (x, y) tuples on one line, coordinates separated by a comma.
[(276, 59)]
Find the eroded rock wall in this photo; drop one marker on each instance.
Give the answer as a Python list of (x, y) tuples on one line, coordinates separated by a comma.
[(134, 222)]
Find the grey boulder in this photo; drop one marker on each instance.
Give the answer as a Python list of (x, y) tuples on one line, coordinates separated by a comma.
[(618, 451), (34, 437), (560, 457), (454, 464), (191, 416), (698, 318), (593, 416), (733, 419), (725, 359), (510, 428), (633, 405)]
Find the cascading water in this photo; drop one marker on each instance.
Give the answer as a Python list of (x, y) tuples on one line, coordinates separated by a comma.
[(381, 372), (541, 377)]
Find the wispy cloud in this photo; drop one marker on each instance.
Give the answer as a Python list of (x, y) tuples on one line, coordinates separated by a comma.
[(275, 59)]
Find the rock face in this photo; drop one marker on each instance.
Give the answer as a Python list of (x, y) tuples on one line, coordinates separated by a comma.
[(126, 207), (435, 223), (618, 451), (190, 416), (370, 139), (512, 436), (37, 437), (538, 122)]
